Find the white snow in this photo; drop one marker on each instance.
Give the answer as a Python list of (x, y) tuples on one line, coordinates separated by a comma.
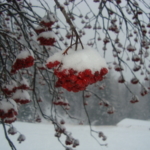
[(80, 59), (49, 18), (46, 35), (7, 104), (134, 123), (135, 56), (131, 47), (24, 82), (127, 135), (24, 54), (21, 94), (39, 27), (10, 86)]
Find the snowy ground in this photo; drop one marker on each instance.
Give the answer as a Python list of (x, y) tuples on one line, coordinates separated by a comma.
[(129, 134)]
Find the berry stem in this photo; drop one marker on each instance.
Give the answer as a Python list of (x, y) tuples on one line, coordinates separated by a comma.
[(70, 23)]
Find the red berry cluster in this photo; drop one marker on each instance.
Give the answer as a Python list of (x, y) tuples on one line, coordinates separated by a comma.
[(118, 68), (23, 87), (23, 63), (38, 119), (40, 99), (134, 100), (144, 91), (87, 95), (47, 24), (60, 129), (101, 135), (121, 79), (104, 103), (9, 114), (44, 41), (7, 91), (10, 120), (21, 138), (22, 101), (12, 130), (51, 65), (39, 30), (111, 110), (136, 68), (69, 140), (134, 81), (61, 102), (74, 81)]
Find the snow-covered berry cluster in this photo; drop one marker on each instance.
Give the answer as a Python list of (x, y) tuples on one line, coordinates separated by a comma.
[(9, 88), (8, 110), (17, 91), (61, 101), (12, 130), (44, 31), (134, 99), (24, 59), (76, 69)]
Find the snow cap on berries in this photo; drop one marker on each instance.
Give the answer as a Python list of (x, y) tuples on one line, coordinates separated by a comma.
[(12, 130), (21, 138), (76, 69), (24, 54), (46, 38), (8, 110), (9, 87), (48, 20), (79, 60), (24, 59), (24, 84), (21, 96), (46, 35), (7, 104)]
